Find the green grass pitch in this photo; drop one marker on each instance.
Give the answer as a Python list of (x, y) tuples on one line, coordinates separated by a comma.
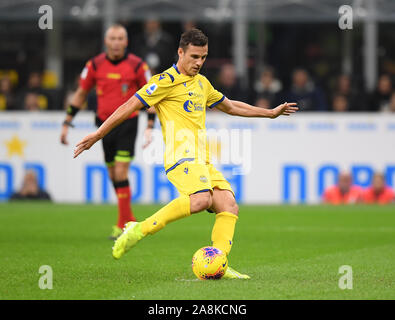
[(290, 252)]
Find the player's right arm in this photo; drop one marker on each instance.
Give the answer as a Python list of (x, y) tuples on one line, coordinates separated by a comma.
[(149, 95), (119, 115)]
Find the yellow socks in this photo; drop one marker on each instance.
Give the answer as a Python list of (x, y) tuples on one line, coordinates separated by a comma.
[(223, 230), (175, 210)]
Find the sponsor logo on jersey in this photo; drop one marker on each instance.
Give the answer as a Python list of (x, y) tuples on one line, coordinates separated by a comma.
[(113, 76), (189, 106), (196, 94)]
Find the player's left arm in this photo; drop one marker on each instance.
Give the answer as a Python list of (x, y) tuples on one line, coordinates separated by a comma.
[(242, 109)]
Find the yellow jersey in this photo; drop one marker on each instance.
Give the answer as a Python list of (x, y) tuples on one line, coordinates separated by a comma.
[(180, 102)]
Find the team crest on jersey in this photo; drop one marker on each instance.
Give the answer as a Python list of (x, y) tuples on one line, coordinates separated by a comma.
[(151, 89), (203, 179)]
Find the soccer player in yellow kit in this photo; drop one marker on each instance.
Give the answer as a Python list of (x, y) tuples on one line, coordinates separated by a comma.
[(181, 95)]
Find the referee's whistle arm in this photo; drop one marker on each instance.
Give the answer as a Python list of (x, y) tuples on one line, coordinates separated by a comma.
[(147, 137), (63, 135)]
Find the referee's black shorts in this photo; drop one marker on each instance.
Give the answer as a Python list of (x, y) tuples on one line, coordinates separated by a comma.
[(118, 144)]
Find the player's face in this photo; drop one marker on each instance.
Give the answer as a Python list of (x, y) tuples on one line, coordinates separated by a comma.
[(116, 41), (192, 59)]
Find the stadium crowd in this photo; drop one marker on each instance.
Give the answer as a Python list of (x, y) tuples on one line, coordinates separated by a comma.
[(267, 92), (30, 189), (268, 88), (346, 192), (38, 91)]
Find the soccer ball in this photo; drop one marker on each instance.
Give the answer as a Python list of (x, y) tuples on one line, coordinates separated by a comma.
[(209, 263)]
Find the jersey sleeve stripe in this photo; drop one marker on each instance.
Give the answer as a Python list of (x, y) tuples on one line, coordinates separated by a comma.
[(215, 103), (146, 105)]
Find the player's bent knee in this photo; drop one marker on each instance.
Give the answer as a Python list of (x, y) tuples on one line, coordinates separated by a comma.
[(201, 204), (233, 208), (200, 201), (227, 205)]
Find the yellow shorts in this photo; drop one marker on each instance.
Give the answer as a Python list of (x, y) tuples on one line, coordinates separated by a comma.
[(189, 177)]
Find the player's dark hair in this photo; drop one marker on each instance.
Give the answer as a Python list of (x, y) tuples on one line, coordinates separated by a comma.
[(194, 37)]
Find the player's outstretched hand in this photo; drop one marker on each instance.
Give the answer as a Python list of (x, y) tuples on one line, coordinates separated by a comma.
[(86, 143), (285, 109), (147, 137)]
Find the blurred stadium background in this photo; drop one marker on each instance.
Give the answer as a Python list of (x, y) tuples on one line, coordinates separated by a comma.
[(260, 51)]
